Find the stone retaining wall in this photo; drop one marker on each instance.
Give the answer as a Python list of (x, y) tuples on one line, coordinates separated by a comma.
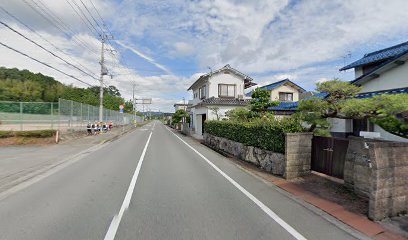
[(294, 163), (379, 171)]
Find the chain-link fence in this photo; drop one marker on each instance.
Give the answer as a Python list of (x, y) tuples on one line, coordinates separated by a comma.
[(63, 115)]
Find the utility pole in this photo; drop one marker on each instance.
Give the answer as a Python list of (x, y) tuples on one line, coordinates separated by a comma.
[(184, 108), (104, 71), (134, 104)]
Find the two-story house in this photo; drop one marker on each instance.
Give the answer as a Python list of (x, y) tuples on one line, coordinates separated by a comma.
[(178, 106), (381, 72), (287, 93), (215, 93)]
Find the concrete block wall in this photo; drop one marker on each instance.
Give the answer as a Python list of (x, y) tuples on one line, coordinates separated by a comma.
[(357, 173), (294, 163), (298, 154), (389, 180), (378, 170)]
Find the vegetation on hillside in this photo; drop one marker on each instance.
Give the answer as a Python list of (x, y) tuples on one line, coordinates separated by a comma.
[(23, 85)]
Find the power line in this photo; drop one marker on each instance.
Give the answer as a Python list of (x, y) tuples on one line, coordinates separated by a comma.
[(43, 38), (103, 22), (90, 14), (55, 25), (43, 63), (80, 16), (87, 19), (61, 22), (22, 35)]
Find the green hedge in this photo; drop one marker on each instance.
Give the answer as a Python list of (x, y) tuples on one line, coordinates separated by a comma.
[(268, 135), (32, 134)]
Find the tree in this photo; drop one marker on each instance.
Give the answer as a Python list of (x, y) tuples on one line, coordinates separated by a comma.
[(240, 114), (261, 101), (179, 115), (23, 85), (215, 110), (386, 110)]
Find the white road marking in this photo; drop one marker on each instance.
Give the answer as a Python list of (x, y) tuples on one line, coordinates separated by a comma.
[(113, 228), (264, 208)]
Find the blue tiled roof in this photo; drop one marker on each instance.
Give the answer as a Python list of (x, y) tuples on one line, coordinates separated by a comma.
[(285, 106), (392, 91), (377, 56), (320, 95), (274, 85)]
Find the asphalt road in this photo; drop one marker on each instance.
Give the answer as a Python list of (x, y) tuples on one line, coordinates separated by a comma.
[(154, 184)]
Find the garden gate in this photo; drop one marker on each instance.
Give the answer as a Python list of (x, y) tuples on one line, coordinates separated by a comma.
[(329, 155)]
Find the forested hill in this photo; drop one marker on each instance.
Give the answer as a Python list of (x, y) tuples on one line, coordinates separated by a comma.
[(23, 85)]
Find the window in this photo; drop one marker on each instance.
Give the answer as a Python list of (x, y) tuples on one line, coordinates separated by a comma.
[(201, 92), (195, 95), (226, 90), (285, 96)]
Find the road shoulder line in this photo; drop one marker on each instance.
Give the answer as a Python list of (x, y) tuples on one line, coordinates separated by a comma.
[(261, 205)]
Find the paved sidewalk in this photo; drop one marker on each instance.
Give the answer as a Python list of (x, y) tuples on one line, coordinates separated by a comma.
[(21, 163), (357, 221)]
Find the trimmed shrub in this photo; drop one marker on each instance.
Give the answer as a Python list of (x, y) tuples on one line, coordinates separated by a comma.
[(6, 134), (268, 135), (31, 134)]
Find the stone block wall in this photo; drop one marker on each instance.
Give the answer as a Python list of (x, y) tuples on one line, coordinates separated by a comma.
[(294, 163), (357, 173), (298, 154), (389, 179), (378, 170)]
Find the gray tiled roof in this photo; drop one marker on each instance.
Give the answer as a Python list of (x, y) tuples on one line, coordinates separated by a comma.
[(380, 55), (224, 101), (247, 79)]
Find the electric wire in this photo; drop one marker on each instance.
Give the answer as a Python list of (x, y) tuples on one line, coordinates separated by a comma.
[(40, 46), (43, 63), (44, 38)]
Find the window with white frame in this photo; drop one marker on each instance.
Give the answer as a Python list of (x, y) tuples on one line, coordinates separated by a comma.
[(201, 92), (226, 90), (285, 96)]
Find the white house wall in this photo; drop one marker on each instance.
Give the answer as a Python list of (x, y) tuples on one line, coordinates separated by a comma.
[(284, 88), (340, 125), (221, 112), (388, 136), (222, 78), (394, 78), (358, 71)]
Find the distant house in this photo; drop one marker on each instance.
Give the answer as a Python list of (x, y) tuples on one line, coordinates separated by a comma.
[(222, 89), (179, 106), (381, 72), (287, 93)]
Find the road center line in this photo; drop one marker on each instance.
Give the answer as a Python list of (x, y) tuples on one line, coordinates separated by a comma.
[(113, 228), (264, 208)]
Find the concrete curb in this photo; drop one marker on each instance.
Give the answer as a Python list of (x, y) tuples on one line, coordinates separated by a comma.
[(358, 226)]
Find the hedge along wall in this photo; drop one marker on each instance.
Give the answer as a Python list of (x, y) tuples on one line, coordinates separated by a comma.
[(31, 134), (265, 135)]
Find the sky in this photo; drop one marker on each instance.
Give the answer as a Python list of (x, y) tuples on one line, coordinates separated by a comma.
[(162, 47)]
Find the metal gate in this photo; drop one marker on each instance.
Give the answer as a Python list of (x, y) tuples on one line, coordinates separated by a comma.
[(329, 155)]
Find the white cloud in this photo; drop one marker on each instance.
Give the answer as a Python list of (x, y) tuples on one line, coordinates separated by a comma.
[(183, 49), (144, 56)]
